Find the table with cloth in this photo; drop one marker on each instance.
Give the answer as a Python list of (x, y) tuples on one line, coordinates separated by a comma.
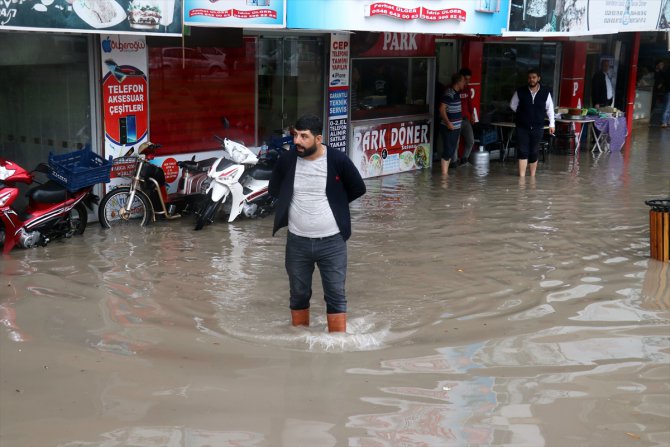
[(613, 132)]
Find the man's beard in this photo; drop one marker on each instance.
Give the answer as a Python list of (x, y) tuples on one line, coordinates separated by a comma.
[(532, 84), (306, 152)]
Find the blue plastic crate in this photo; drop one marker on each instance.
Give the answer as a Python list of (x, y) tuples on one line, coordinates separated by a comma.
[(77, 170), (488, 136)]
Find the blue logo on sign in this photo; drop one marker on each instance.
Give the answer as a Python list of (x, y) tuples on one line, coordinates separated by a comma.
[(335, 82)]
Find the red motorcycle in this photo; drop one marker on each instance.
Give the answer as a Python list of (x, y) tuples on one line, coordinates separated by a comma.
[(53, 211)]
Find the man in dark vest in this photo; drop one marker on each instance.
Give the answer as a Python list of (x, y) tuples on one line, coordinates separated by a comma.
[(602, 91), (531, 104)]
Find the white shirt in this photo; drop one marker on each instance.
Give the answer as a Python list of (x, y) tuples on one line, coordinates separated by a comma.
[(608, 84)]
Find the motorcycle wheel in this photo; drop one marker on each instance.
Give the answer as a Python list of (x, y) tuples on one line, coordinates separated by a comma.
[(78, 219), (207, 215), (109, 211)]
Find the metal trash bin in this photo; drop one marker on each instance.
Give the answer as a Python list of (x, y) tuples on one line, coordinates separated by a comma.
[(659, 229)]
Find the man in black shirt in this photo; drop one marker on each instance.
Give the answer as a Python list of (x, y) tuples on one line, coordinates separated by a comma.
[(602, 91)]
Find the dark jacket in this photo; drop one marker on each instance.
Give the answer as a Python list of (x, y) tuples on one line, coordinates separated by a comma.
[(599, 90), (343, 185), (530, 113)]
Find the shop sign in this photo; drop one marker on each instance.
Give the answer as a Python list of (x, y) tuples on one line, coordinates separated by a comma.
[(393, 45), (125, 93), (389, 148), (338, 91), (236, 13), (420, 12), (587, 17), (401, 16), (93, 16)]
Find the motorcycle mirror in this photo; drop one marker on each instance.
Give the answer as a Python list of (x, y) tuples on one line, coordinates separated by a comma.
[(193, 158), (225, 122), (143, 147), (130, 152)]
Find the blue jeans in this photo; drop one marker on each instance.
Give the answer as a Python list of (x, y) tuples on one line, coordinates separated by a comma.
[(330, 255), (666, 109)]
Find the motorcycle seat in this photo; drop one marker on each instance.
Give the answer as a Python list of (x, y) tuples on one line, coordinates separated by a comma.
[(260, 172), (197, 166), (50, 192)]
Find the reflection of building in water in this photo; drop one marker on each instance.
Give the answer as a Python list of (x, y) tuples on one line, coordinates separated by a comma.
[(177, 435), (656, 286), (391, 194), (8, 320), (455, 412)]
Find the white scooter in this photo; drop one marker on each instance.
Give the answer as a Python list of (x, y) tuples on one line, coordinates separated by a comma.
[(239, 181)]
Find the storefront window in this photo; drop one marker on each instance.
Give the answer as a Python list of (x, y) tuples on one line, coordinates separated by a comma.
[(45, 96), (196, 93), (505, 68), (389, 87), (290, 82)]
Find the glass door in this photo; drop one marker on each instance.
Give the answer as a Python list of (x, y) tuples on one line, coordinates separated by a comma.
[(291, 73)]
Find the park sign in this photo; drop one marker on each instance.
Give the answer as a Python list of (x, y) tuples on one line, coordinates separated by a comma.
[(93, 16)]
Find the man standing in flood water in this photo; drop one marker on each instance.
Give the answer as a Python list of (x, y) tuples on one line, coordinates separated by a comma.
[(314, 186), (531, 103), (450, 123)]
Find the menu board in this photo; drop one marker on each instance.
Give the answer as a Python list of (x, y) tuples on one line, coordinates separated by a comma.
[(338, 91), (381, 149)]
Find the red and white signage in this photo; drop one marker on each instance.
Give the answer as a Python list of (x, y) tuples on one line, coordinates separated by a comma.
[(389, 148), (125, 93), (390, 44), (418, 13), (236, 13), (171, 169)]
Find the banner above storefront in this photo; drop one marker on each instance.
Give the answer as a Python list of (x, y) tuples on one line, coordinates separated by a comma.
[(426, 16), (93, 16), (582, 17), (236, 13)]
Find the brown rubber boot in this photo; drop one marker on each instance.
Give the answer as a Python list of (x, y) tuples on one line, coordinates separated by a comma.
[(300, 317), (337, 322)]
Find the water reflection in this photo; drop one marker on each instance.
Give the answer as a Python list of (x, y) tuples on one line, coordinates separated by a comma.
[(491, 311), (172, 436)]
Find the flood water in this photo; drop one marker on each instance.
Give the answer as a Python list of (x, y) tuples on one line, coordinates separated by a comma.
[(483, 310)]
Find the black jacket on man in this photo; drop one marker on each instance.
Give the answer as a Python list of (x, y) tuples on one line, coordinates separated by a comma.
[(599, 90), (530, 113), (343, 185)]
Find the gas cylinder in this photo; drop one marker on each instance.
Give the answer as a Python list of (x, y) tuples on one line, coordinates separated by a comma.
[(480, 157)]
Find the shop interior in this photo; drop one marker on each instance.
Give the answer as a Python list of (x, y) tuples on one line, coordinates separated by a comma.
[(48, 87), (389, 87)]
